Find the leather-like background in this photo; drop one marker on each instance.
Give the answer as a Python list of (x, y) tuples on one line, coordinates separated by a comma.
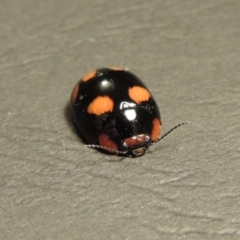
[(53, 187)]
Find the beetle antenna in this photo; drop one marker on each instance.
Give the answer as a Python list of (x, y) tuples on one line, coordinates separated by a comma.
[(106, 149), (163, 136)]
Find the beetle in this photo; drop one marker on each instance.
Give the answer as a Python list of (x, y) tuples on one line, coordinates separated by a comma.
[(113, 110)]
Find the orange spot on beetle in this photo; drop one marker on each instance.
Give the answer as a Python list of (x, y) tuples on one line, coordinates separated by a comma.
[(89, 75), (105, 141), (156, 130), (117, 68), (100, 105), (74, 93), (138, 94), (133, 141)]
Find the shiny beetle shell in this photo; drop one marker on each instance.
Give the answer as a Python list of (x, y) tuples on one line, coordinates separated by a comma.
[(113, 110)]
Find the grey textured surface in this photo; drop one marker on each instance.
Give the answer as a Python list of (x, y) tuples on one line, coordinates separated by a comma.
[(52, 187)]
